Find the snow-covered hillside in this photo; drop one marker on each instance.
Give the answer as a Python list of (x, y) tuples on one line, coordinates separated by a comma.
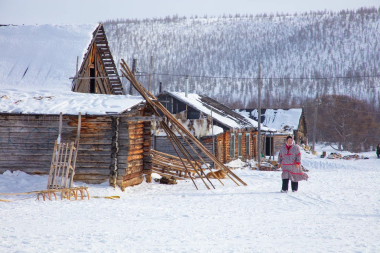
[(320, 44), (337, 210), (41, 57)]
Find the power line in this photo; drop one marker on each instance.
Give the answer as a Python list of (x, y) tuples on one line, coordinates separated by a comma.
[(264, 78)]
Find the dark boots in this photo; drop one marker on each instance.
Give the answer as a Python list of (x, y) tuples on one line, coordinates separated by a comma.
[(285, 185)]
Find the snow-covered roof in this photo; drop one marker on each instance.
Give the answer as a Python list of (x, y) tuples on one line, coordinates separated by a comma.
[(42, 57), (36, 63), (221, 113), (67, 102), (279, 119)]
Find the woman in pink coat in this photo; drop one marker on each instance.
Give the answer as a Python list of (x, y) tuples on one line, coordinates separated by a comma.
[(289, 159)]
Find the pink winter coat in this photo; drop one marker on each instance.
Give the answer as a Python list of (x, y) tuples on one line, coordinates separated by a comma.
[(288, 158)]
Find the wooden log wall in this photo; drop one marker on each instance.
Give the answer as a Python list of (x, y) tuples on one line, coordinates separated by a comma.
[(147, 158), (244, 154), (27, 143), (130, 156)]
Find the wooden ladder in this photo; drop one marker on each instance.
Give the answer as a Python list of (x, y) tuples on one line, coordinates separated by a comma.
[(62, 168), (108, 62)]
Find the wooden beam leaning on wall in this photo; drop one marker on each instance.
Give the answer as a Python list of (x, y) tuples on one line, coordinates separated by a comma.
[(157, 106)]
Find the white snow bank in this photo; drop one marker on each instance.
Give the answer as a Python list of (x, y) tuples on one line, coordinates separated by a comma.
[(67, 102), (336, 210), (42, 56), (236, 164)]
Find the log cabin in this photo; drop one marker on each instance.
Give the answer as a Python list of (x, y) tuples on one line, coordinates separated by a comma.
[(35, 87), (113, 146), (284, 121), (225, 133)]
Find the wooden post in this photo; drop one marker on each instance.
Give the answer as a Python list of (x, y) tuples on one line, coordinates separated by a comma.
[(77, 76), (212, 133), (315, 121), (259, 117), (187, 86), (76, 148), (270, 145), (150, 73), (134, 67)]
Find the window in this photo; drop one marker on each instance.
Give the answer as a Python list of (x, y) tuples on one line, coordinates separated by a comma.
[(232, 146), (248, 144), (239, 145)]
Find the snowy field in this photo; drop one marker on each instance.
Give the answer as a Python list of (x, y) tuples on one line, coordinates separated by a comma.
[(337, 210)]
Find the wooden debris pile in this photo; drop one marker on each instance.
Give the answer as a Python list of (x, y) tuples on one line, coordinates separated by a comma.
[(166, 180), (171, 166), (346, 157), (183, 154)]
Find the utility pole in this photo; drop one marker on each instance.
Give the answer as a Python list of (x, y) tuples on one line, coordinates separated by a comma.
[(77, 76), (212, 133), (315, 120), (150, 73), (259, 117), (187, 86), (134, 68), (160, 88)]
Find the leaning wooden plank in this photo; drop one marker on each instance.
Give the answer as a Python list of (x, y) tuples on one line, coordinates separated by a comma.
[(76, 148), (69, 168), (52, 165)]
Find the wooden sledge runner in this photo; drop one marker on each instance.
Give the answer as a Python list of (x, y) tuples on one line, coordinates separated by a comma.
[(66, 193)]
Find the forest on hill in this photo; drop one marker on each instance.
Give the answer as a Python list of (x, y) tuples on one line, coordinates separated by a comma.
[(303, 56)]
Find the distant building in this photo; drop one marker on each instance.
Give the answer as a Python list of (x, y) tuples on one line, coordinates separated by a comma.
[(225, 133), (285, 121)]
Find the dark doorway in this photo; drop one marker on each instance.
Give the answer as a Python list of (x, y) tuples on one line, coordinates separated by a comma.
[(268, 146), (92, 81)]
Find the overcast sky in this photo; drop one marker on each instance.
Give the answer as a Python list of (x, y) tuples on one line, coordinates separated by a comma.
[(92, 11)]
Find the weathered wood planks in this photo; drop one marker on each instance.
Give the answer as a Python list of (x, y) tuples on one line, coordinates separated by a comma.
[(27, 143)]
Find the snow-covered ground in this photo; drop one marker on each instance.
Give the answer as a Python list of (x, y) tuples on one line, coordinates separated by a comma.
[(337, 210)]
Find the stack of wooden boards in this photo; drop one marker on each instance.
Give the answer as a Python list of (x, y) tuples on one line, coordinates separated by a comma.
[(171, 166)]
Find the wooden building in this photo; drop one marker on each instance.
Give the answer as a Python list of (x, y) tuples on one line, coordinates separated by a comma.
[(114, 148), (284, 121), (225, 133), (35, 87), (98, 73)]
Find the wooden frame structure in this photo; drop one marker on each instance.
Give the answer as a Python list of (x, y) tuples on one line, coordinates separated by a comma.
[(98, 72), (156, 106)]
